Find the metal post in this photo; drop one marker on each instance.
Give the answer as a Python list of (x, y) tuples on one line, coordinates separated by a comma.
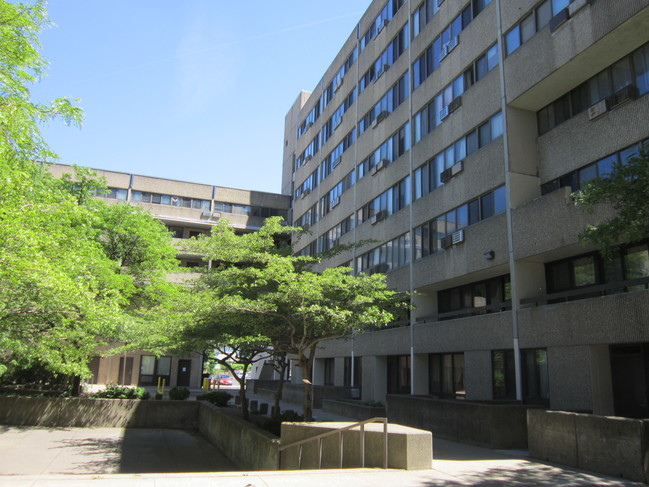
[(320, 453), (362, 446), (341, 449), (299, 459), (385, 434)]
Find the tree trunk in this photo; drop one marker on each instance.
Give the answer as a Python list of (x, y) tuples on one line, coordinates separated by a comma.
[(278, 394), (76, 386), (306, 364)]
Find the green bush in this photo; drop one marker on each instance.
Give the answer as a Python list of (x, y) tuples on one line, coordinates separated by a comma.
[(218, 398), (121, 392), (178, 393), (274, 425)]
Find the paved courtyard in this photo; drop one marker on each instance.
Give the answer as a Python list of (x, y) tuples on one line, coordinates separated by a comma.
[(110, 457)]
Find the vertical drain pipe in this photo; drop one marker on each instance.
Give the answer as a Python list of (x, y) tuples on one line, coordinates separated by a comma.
[(510, 231)]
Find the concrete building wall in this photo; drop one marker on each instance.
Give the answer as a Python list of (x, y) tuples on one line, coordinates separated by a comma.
[(536, 227)]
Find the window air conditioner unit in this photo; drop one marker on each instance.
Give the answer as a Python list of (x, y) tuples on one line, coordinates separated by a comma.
[(443, 113), (597, 110), (206, 214), (457, 168), (558, 20), (381, 164), (335, 202), (375, 122), (380, 216), (307, 158), (447, 241), (576, 5), (622, 96), (446, 175), (457, 237), (382, 116), (305, 193), (455, 104), (309, 125), (216, 215)]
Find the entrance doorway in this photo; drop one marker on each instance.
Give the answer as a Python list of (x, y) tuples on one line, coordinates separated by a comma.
[(630, 386), (125, 371), (184, 373)]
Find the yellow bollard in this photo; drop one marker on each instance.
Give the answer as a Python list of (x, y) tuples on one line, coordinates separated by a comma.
[(161, 386), (206, 384)]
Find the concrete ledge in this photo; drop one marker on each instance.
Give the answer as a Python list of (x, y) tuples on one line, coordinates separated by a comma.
[(108, 413), (242, 443), (408, 448), (608, 445), (487, 425), (349, 409), (294, 393)]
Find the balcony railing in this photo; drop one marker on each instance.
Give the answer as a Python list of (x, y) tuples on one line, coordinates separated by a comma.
[(587, 292)]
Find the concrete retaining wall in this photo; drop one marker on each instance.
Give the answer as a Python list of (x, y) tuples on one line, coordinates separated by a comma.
[(107, 413), (294, 393), (408, 448), (486, 425), (241, 442), (608, 445), (350, 410)]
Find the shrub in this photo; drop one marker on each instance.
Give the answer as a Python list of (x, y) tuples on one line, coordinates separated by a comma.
[(178, 393), (122, 392), (218, 398)]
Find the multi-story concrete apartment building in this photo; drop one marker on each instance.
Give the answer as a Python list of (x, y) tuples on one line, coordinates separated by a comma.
[(187, 209), (452, 134)]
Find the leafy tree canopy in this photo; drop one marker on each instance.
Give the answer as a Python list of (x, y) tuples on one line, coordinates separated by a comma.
[(257, 288), (626, 189), (75, 272)]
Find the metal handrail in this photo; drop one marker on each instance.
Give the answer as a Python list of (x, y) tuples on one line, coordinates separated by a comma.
[(338, 432)]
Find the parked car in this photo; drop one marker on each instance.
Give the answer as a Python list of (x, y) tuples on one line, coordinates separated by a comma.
[(224, 380)]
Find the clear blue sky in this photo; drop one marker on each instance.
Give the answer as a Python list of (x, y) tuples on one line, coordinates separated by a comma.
[(194, 90)]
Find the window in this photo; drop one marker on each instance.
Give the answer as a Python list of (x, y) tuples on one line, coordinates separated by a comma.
[(630, 71), (600, 168), (357, 372), (329, 369), (536, 387), (504, 374), (152, 368), (586, 270), (446, 375), (165, 199), (399, 374), (469, 298)]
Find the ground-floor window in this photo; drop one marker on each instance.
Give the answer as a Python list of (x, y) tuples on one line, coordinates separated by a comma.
[(446, 375), (503, 370), (329, 369), (399, 374), (358, 372), (536, 387), (152, 368)]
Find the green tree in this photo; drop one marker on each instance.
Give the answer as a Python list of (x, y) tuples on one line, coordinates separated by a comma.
[(257, 284), (75, 273), (626, 189)]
